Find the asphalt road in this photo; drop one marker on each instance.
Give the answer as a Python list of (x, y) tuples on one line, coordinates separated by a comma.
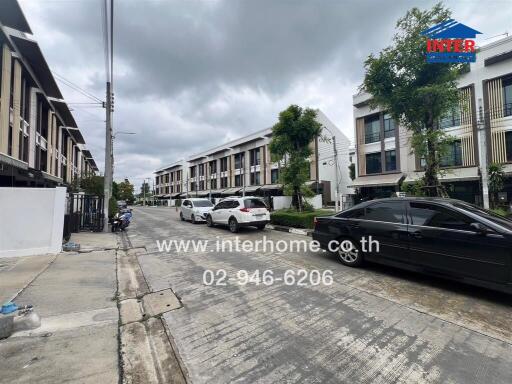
[(371, 325)]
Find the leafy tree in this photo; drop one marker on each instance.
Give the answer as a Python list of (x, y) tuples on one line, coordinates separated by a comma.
[(115, 191), (291, 137), (125, 191), (92, 185), (496, 181), (417, 94), (352, 171), (144, 186)]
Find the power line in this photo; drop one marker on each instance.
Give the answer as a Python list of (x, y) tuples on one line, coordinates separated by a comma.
[(77, 88)]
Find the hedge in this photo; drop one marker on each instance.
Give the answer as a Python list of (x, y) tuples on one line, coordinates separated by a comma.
[(292, 218)]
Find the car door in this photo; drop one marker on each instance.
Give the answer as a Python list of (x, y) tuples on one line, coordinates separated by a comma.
[(383, 227), (443, 240), (186, 209), (218, 212)]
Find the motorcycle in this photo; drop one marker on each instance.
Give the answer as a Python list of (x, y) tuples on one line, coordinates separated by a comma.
[(121, 220)]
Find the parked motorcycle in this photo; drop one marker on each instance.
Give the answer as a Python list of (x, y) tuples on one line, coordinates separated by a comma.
[(121, 220)]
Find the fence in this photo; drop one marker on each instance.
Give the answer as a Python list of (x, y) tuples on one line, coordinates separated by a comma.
[(85, 213)]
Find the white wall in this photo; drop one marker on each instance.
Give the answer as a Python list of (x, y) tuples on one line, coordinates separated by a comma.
[(285, 202), (31, 221)]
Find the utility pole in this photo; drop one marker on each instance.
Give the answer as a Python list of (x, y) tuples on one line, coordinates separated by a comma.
[(243, 174), (144, 193), (336, 206), (108, 155), (483, 160)]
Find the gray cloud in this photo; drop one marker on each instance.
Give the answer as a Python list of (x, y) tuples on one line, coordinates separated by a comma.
[(191, 74)]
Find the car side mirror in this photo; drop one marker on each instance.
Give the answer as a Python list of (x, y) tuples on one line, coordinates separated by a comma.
[(479, 228)]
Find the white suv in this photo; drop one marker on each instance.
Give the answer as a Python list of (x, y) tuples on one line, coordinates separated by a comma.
[(239, 212), (195, 209)]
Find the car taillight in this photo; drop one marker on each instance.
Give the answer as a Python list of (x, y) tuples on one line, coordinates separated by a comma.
[(244, 210)]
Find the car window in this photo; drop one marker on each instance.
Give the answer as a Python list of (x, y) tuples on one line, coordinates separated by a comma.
[(352, 213), (431, 215), (221, 205), (203, 203), (233, 204), (254, 203), (185, 203), (390, 212), (491, 216)]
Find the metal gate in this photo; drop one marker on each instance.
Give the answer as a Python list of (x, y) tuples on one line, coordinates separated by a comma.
[(86, 212)]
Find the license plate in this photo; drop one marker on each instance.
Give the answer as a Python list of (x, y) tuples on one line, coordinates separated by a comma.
[(259, 214)]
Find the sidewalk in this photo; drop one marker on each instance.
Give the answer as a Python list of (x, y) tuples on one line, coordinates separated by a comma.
[(75, 295)]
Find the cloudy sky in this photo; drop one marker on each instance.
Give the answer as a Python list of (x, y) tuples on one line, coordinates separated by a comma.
[(192, 74)]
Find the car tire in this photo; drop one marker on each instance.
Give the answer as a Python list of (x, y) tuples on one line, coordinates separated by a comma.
[(233, 225), (209, 221), (352, 257), (193, 219), (261, 227), (181, 216)]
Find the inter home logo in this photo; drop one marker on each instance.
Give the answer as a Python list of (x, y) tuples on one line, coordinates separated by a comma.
[(450, 42)]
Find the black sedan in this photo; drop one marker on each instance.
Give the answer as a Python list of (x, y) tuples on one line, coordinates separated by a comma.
[(445, 237)]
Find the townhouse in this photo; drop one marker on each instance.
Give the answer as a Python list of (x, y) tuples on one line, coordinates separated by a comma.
[(244, 166), (40, 143), (481, 126)]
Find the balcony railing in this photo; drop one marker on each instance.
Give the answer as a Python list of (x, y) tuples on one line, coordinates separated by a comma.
[(371, 137), (388, 134), (507, 109)]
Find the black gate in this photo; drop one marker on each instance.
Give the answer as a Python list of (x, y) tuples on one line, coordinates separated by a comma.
[(86, 212)]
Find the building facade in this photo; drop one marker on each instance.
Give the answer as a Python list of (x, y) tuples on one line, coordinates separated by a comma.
[(244, 166), (481, 126), (40, 143)]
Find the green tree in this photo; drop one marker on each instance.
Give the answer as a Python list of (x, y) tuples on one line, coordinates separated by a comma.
[(92, 185), (352, 171), (125, 191), (291, 136), (496, 181), (417, 94), (115, 191)]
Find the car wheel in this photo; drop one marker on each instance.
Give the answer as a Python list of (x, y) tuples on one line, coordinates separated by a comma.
[(192, 219), (209, 221), (233, 225), (350, 253), (260, 227), (181, 216)]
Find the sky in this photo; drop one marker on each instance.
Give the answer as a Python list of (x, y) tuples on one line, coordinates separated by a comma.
[(190, 74)]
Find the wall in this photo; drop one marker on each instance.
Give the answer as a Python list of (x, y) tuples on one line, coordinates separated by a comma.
[(31, 221), (285, 202)]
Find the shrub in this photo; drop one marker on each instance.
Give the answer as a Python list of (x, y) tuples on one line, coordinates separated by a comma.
[(292, 218), (112, 207), (500, 211)]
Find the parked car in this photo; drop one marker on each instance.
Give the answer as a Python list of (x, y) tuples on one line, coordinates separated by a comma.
[(236, 212), (445, 237), (195, 209)]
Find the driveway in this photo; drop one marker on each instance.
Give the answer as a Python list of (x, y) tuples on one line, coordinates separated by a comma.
[(376, 324)]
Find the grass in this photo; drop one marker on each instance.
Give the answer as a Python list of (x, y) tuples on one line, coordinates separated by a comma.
[(292, 218)]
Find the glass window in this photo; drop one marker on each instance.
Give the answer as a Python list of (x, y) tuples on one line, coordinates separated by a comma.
[(203, 203), (222, 205), (390, 212), (453, 157), (238, 181), (352, 213), (224, 164), (491, 216), (507, 97), (373, 163), (451, 118), (431, 215), (274, 176), (254, 157), (254, 203), (372, 129), (389, 126), (239, 159), (508, 141), (213, 183), (390, 160), (192, 171), (255, 178)]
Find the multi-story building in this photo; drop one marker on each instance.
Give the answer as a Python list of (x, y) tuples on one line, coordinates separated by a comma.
[(481, 126), (40, 143), (169, 180), (244, 165)]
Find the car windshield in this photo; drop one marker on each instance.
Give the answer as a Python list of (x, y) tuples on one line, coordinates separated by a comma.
[(254, 203), (491, 216), (203, 203)]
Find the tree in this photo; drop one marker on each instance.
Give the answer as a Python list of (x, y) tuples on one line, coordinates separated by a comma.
[(352, 171), (496, 181), (144, 186), (92, 185), (417, 94), (115, 190), (291, 136), (125, 191)]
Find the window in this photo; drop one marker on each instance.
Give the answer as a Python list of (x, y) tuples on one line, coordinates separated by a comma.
[(453, 157), (389, 126), (352, 213), (450, 119), (224, 164), (372, 129), (178, 176), (255, 178), (390, 212), (373, 163), (213, 167), (201, 185), (390, 160), (254, 203), (193, 186), (223, 182), (239, 160), (254, 155), (431, 215), (192, 171), (507, 97), (238, 180), (203, 203), (274, 176), (186, 203), (508, 141), (201, 169), (213, 183)]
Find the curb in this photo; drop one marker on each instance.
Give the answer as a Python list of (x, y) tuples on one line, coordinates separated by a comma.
[(295, 231)]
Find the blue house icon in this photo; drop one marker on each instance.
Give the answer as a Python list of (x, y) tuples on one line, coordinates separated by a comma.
[(451, 29)]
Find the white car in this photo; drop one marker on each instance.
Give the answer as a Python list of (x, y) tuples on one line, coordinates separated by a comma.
[(195, 209), (237, 212)]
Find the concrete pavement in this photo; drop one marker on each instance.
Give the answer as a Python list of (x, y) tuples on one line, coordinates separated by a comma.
[(376, 325)]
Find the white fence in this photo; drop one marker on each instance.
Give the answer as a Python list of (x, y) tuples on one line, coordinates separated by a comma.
[(283, 202), (31, 221)]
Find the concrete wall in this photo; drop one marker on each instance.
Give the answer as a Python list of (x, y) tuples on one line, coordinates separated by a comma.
[(31, 221), (284, 202)]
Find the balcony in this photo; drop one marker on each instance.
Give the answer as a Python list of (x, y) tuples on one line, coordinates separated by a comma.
[(371, 137)]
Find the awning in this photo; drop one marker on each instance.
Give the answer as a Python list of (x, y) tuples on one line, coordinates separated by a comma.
[(377, 180), (252, 188), (30, 50), (175, 195), (450, 175), (269, 187), (217, 191), (5, 159), (12, 16), (64, 112), (203, 193), (230, 191)]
